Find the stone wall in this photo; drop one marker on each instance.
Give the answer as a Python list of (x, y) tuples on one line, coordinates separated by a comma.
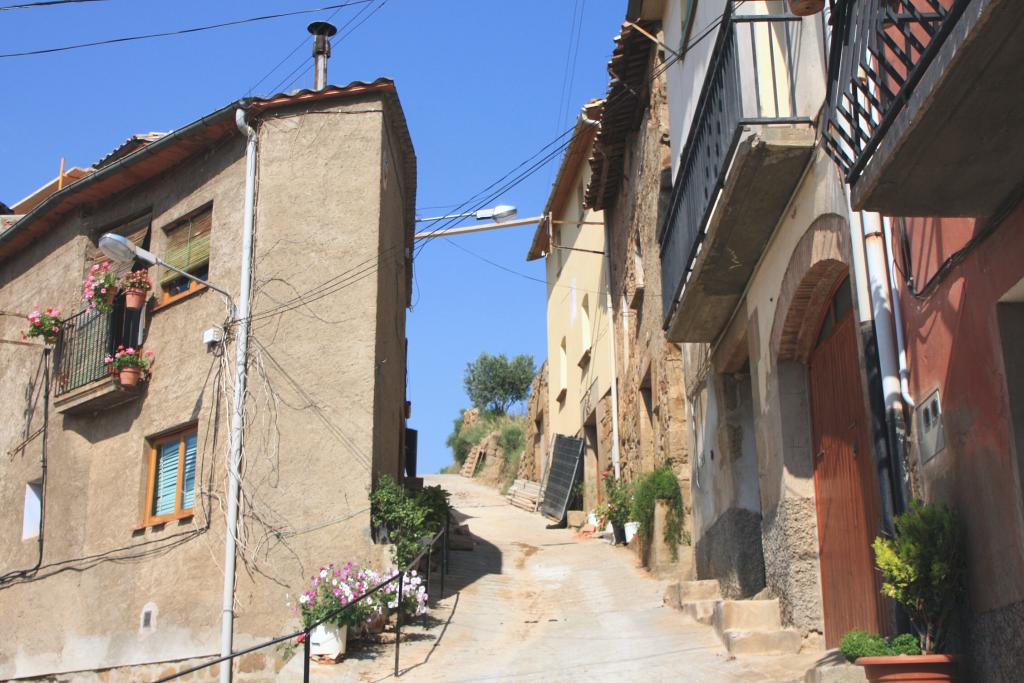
[(534, 459), (652, 418)]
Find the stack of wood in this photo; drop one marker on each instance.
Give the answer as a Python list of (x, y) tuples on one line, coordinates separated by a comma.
[(525, 494)]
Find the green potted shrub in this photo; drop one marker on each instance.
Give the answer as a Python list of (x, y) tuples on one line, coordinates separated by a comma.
[(616, 508), (660, 485), (923, 569)]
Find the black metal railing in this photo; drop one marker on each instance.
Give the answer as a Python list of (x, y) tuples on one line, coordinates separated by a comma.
[(85, 340), (878, 53), (751, 80), (439, 539)]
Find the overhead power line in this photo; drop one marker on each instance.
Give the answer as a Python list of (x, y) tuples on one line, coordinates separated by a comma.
[(45, 3), (517, 175), (196, 29)]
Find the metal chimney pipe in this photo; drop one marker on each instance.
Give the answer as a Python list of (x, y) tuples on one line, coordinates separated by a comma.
[(321, 31)]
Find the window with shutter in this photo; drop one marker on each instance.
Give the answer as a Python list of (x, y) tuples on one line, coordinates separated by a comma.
[(187, 248), (137, 230), (172, 477)]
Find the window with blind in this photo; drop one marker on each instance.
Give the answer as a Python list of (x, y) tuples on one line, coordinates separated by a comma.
[(188, 248), (172, 477), (136, 229)]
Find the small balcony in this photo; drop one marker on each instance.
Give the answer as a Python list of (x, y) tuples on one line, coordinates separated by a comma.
[(82, 382), (751, 136), (925, 104)]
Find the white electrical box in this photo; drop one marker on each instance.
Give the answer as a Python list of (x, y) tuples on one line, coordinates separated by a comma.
[(214, 335)]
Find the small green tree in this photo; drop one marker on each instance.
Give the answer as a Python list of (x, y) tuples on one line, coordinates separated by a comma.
[(923, 566), (495, 383)]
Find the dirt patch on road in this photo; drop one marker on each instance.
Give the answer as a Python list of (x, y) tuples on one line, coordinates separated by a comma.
[(527, 552)]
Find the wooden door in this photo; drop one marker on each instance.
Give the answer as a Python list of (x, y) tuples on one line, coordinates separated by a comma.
[(845, 484)]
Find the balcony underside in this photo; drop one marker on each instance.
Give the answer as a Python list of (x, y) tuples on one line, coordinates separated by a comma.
[(954, 149), (764, 172), (95, 396)]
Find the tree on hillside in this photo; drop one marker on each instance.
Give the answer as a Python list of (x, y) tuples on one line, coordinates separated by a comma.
[(496, 383)]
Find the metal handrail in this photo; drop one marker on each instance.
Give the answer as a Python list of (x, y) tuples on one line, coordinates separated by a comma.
[(882, 52), (723, 109), (427, 551), (86, 338)]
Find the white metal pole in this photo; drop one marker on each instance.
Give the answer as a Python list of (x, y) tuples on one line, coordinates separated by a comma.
[(611, 347), (241, 318)]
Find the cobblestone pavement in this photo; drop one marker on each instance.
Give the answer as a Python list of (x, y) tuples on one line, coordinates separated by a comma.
[(536, 604)]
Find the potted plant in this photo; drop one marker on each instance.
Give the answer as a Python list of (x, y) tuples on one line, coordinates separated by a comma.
[(923, 569), (619, 503), (136, 285), (100, 288), (806, 8), (130, 364), (45, 324), (330, 607)]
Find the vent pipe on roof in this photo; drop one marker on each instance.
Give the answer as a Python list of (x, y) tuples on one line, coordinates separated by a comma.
[(321, 31)]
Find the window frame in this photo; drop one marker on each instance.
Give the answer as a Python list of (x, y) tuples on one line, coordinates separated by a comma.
[(165, 298), (153, 444)]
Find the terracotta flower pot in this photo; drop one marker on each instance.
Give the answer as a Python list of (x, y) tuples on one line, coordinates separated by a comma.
[(134, 298), (916, 668), (129, 376), (805, 8)]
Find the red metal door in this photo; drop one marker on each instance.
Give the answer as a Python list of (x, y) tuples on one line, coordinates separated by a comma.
[(845, 486)]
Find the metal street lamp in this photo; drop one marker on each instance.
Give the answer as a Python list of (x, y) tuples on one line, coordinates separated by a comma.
[(499, 213), (122, 249)]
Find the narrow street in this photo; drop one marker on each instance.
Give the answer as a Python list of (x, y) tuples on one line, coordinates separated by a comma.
[(536, 604)]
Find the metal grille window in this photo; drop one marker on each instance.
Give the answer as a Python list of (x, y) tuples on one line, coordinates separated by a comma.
[(172, 477)]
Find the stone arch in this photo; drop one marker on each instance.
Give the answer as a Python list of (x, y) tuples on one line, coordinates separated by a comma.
[(821, 258)]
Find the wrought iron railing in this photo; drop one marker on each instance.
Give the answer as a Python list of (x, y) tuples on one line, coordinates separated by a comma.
[(751, 80), (85, 340), (879, 51), (90, 336)]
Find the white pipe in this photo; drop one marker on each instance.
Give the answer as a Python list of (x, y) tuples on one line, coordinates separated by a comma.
[(881, 305), (611, 347), (241, 317), (901, 347)]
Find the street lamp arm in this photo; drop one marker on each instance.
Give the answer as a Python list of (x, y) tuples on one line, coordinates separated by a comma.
[(160, 262)]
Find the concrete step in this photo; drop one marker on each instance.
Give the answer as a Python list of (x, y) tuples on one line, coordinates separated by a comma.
[(702, 611), (699, 590), (747, 615), (778, 642)]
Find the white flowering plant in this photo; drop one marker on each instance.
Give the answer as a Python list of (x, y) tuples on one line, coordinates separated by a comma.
[(335, 592), (334, 597)]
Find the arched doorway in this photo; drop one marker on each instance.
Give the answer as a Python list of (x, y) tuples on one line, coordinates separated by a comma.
[(845, 481)]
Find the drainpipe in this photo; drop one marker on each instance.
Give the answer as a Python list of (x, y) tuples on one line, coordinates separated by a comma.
[(611, 348), (885, 335), (901, 348), (241, 317)]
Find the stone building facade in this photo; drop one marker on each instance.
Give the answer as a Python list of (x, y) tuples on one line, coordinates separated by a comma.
[(629, 173), (533, 464), (109, 579)]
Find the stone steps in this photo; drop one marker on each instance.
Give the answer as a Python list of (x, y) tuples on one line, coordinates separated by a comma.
[(469, 467), (746, 627)]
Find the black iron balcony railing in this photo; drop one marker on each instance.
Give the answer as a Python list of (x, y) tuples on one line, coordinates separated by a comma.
[(879, 51), (751, 80), (86, 339)]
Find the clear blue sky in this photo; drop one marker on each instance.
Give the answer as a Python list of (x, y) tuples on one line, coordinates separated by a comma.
[(480, 83)]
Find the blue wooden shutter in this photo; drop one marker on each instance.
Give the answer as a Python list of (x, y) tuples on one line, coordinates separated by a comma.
[(166, 480), (188, 480)]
